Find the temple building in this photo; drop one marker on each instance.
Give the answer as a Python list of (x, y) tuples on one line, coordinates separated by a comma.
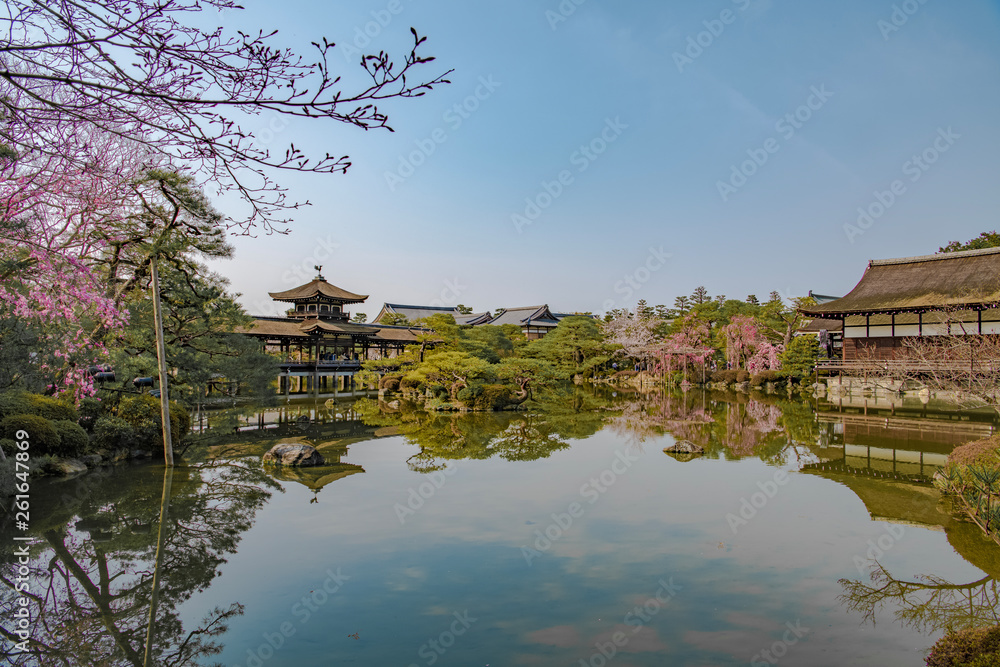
[(317, 341), (535, 321), (414, 313), (930, 295)]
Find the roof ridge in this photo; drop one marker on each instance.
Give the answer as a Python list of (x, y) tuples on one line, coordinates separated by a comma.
[(931, 258), (406, 305)]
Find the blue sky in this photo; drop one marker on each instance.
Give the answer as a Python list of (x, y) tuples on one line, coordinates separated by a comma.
[(643, 110)]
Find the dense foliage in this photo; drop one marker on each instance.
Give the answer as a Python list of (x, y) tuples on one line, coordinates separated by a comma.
[(488, 367)]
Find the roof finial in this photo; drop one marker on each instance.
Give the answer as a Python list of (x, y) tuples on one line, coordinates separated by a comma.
[(319, 272)]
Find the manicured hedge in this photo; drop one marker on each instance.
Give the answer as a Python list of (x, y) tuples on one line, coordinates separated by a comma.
[(23, 403), (763, 377), (73, 440), (42, 434)]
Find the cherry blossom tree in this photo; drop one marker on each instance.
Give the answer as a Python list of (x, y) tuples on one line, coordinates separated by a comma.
[(142, 70), (689, 343), (747, 347), (56, 210), (633, 332)]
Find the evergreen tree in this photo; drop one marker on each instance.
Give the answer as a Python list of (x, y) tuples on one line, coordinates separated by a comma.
[(984, 240)]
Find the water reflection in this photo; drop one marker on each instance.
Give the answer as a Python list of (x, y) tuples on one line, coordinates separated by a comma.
[(94, 561), (555, 418), (926, 602), (462, 548)]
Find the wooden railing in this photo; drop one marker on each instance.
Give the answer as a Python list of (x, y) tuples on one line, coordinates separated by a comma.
[(325, 365), (908, 366)]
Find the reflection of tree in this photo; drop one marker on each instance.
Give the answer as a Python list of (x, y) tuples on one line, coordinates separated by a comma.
[(723, 425), (92, 570), (556, 417), (926, 603)]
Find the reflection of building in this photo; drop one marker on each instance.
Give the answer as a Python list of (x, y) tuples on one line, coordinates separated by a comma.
[(900, 298), (916, 503), (898, 446)]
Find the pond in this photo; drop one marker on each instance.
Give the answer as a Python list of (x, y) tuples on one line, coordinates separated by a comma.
[(808, 533)]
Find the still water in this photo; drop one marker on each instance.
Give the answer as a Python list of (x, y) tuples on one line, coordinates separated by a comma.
[(808, 534)]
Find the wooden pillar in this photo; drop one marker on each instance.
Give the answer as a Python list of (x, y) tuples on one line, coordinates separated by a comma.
[(315, 369)]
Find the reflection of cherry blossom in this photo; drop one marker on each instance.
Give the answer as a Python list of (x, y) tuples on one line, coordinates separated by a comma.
[(766, 415), (748, 423), (651, 416)]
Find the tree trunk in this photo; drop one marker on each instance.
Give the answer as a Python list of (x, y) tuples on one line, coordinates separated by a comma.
[(522, 395)]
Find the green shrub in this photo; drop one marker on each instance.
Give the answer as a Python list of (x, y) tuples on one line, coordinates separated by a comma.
[(90, 410), (800, 357), (142, 413), (495, 397), (724, 376), (73, 440), (53, 409), (23, 403), (8, 445), (42, 434), (389, 383), (966, 648), (111, 432), (763, 377), (468, 395), (409, 382), (486, 397), (15, 403)]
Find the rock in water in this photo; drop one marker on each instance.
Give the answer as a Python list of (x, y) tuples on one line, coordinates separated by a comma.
[(684, 447), (294, 455), (67, 466)]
